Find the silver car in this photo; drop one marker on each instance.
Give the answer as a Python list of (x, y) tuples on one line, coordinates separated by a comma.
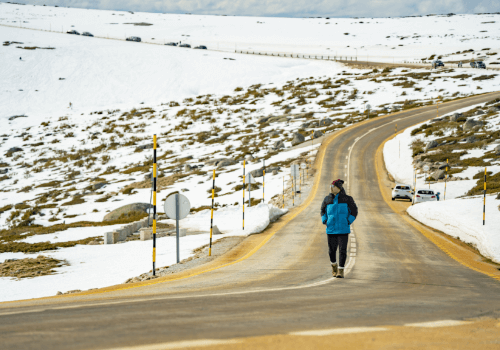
[(425, 196)]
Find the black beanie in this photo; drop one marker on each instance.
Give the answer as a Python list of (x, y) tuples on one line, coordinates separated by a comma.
[(338, 183)]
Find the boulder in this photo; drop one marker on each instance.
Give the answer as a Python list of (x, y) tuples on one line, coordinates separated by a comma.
[(127, 209), (317, 134), (215, 230), (493, 109), (278, 144), (14, 149), (442, 165), (455, 117), (98, 185), (147, 146), (187, 167), (251, 126), (479, 112), (257, 173), (273, 133), (275, 172), (249, 157), (431, 144), (438, 174), (325, 122), (313, 124), (225, 162), (470, 123), (4, 171), (497, 150), (476, 128), (304, 125), (297, 138), (263, 120), (470, 139)]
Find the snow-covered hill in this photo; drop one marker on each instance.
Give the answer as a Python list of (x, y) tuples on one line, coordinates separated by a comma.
[(78, 114)]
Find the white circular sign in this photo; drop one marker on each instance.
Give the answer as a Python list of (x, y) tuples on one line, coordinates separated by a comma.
[(368, 106), (170, 206), (303, 165), (426, 168)]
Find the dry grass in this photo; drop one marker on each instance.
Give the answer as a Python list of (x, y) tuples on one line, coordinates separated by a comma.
[(31, 267)]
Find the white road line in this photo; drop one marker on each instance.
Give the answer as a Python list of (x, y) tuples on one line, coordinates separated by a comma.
[(353, 250), (352, 255), (323, 332), (180, 344), (353, 244), (434, 324)]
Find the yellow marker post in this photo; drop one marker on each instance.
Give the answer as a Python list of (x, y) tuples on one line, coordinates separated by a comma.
[(484, 198), (300, 186), (243, 194), (154, 205), (396, 129), (312, 139), (437, 108), (445, 180), (212, 215)]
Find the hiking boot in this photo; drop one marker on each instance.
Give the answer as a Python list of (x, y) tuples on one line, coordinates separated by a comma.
[(334, 270), (340, 273)]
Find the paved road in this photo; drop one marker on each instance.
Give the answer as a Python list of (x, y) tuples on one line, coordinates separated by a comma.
[(396, 275)]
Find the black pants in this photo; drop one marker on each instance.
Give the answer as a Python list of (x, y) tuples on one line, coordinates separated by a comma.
[(340, 241)]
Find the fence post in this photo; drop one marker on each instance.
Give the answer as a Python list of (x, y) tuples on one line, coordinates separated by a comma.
[(212, 215), (243, 194), (154, 205), (484, 198)]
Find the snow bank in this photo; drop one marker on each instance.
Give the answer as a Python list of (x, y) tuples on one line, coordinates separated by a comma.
[(398, 157), (229, 220), (463, 218), (98, 266)]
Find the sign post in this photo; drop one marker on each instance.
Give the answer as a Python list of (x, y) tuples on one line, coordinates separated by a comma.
[(249, 179), (177, 207)]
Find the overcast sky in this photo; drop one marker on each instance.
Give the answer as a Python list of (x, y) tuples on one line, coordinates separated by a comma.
[(287, 8)]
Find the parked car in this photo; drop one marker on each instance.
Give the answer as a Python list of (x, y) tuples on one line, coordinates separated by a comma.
[(185, 45), (73, 32), (171, 44), (438, 63), (425, 196), (201, 47), (87, 34), (402, 191), (134, 38), (480, 64), (473, 64)]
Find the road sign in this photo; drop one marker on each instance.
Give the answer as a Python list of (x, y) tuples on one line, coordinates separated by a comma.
[(177, 207), (303, 166), (170, 206), (426, 168), (249, 178), (294, 169), (368, 107)]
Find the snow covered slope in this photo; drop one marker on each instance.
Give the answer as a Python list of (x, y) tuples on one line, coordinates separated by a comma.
[(383, 39), (461, 214)]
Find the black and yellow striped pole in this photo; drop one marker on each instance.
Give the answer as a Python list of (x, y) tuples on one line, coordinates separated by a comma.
[(212, 216), (154, 205), (312, 138), (243, 194), (484, 198), (396, 129), (445, 180), (263, 181)]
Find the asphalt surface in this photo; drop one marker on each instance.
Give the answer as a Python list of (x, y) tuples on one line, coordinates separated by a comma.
[(395, 275)]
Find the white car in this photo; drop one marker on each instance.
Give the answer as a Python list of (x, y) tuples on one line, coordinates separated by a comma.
[(402, 191), (426, 196)]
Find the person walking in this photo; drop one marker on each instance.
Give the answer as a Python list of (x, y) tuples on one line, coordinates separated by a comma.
[(338, 212)]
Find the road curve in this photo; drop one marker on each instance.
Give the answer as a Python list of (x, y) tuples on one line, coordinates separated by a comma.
[(396, 275)]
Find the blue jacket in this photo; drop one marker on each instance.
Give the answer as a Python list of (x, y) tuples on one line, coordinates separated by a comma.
[(338, 213)]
